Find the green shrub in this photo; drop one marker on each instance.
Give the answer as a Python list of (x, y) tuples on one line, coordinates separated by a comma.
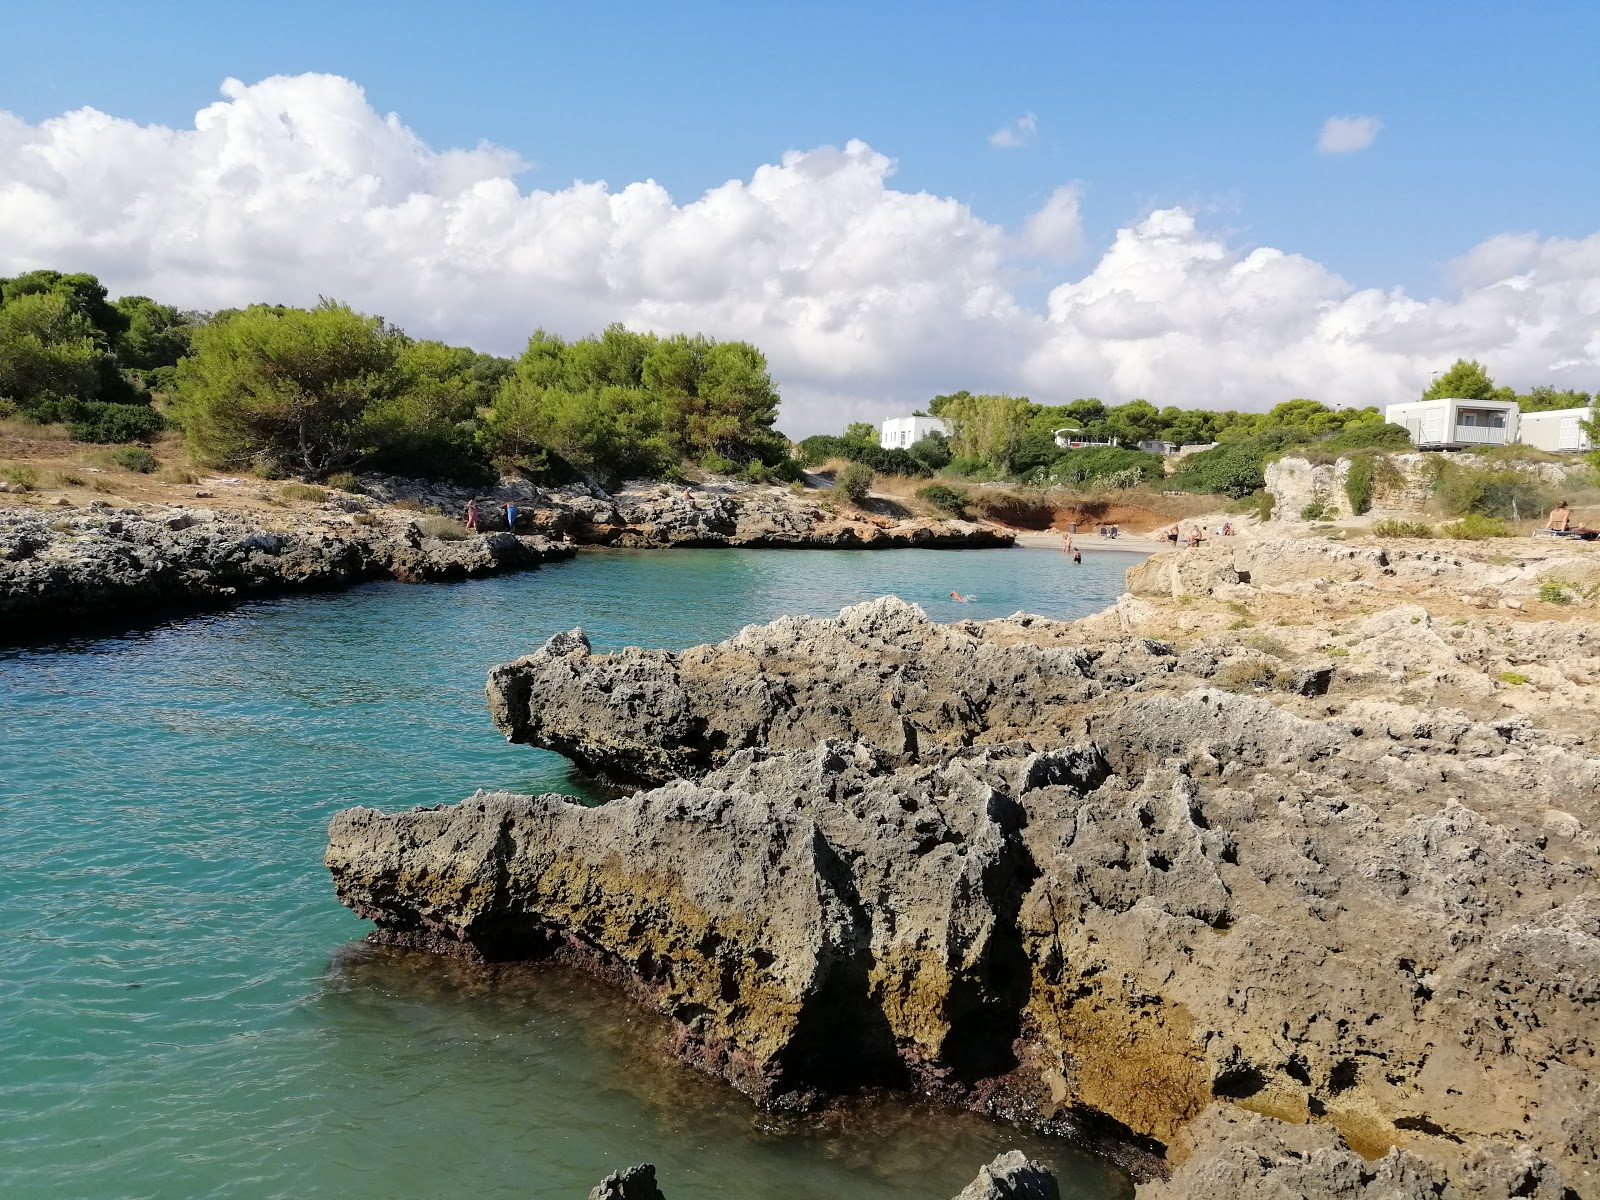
[(344, 481), (1258, 503), (302, 491), (718, 464), (944, 497), (132, 458), (1364, 435), (1109, 466), (445, 529), (853, 482), (20, 476), (1474, 528), (178, 475), (1514, 678), (1553, 591), (1314, 511), (1233, 469), (818, 449), (1464, 488), (1402, 529), (69, 479), (96, 421), (1358, 484)]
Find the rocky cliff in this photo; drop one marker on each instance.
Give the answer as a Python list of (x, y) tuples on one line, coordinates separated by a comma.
[(57, 569), (1178, 878)]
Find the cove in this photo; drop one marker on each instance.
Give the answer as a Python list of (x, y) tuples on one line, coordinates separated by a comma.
[(184, 1008)]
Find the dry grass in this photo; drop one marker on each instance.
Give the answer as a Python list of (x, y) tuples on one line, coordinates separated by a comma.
[(445, 529)]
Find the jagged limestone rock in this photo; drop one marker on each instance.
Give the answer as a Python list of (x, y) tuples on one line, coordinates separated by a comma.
[(633, 1183), (1012, 1177), (1098, 892)]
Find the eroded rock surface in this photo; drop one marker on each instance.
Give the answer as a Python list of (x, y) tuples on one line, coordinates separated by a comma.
[(61, 568), (1010, 1176), (716, 512), (1144, 888), (634, 1183)]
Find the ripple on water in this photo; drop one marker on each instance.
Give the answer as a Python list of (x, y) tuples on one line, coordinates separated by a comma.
[(182, 1012)]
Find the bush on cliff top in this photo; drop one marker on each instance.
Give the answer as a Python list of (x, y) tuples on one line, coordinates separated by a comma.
[(853, 482), (943, 497)]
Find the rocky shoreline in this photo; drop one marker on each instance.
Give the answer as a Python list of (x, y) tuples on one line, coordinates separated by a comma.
[(1010, 1176), (1280, 877), (63, 566), (58, 571)]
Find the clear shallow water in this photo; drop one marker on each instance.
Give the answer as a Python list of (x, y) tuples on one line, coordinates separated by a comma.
[(182, 1009)]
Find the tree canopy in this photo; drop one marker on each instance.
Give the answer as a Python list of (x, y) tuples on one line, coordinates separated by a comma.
[(627, 403)]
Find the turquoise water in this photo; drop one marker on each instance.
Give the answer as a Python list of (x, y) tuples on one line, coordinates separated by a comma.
[(186, 1011)]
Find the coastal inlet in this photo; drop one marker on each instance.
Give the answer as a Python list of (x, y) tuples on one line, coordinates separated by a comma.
[(180, 1017)]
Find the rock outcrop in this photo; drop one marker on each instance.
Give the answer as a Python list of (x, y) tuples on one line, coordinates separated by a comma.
[(1131, 877), (719, 512), (1010, 1176), (59, 569), (634, 1183)]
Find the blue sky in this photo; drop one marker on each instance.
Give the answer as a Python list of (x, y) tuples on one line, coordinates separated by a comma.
[(1491, 112), (1487, 117)]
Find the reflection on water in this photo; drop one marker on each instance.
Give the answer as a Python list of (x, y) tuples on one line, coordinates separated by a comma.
[(169, 1021)]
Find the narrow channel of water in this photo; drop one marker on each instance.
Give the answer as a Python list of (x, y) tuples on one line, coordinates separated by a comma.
[(183, 1008)]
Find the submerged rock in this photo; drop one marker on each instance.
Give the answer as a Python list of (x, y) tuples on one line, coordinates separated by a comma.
[(1012, 1177), (1009, 1177), (634, 1183), (1052, 872)]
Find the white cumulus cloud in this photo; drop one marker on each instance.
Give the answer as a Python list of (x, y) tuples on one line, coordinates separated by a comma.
[(1346, 135), (1017, 133), (867, 299), (1055, 231)]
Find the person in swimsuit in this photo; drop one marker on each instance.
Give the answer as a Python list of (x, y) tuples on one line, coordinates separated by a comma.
[(960, 597), (472, 516), (1077, 558), (1560, 518)]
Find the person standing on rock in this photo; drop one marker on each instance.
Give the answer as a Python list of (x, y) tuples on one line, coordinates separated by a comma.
[(472, 515), (511, 517)]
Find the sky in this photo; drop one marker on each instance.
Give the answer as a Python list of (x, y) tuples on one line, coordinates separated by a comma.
[(1219, 205)]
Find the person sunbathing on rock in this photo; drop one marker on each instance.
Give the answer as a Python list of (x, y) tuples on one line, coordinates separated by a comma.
[(1560, 517)]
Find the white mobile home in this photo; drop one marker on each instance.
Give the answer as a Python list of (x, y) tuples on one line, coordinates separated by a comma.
[(1073, 438), (1455, 424), (901, 433), (1557, 429)]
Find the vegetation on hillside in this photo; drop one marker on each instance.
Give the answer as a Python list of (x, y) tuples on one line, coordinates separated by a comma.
[(328, 390)]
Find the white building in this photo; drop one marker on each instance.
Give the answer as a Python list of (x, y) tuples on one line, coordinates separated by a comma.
[(1073, 438), (1558, 429), (901, 433), (1455, 424)]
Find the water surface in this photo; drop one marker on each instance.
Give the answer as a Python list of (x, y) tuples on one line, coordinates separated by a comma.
[(184, 1010)]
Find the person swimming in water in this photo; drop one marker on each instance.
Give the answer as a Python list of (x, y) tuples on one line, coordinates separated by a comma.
[(960, 597)]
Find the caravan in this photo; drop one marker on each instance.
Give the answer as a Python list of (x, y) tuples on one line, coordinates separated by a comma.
[(1456, 424), (1558, 429)]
